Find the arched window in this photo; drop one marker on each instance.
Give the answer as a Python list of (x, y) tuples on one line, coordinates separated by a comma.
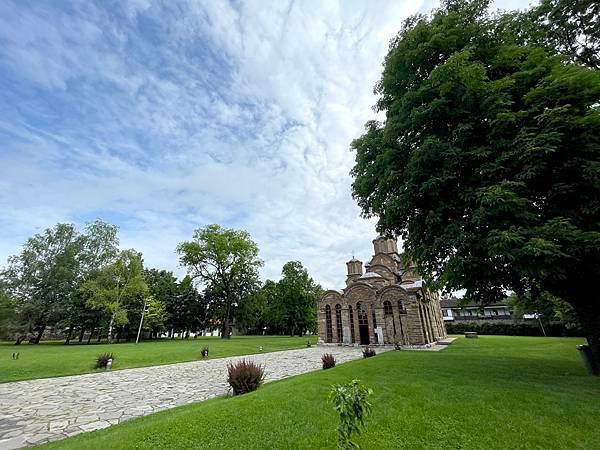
[(389, 314), (328, 328), (363, 323), (374, 324), (387, 308), (351, 323), (338, 322), (401, 306)]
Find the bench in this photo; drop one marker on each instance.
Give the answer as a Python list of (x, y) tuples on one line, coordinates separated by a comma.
[(471, 334)]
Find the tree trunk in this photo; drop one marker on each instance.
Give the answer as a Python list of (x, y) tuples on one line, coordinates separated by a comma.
[(40, 333), (99, 334), (90, 336), (225, 325), (588, 312), (110, 328), (81, 333), (68, 339)]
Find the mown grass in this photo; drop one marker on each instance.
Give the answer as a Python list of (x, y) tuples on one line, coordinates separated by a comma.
[(52, 359), (491, 393)]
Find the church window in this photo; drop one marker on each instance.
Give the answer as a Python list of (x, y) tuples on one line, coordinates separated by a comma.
[(328, 328), (389, 314), (338, 322), (374, 324), (351, 323), (387, 308)]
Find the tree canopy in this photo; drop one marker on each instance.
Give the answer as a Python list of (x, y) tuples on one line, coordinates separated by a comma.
[(43, 280), (117, 285), (226, 261), (488, 160)]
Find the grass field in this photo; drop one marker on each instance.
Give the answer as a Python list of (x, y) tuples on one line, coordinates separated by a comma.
[(51, 359), (491, 393)]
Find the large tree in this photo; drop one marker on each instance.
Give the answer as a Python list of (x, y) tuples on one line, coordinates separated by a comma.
[(43, 277), (570, 27), (114, 287), (43, 280), (99, 247), (298, 295), (488, 160), (8, 317), (224, 259)]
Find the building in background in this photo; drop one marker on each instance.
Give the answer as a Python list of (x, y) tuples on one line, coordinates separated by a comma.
[(453, 311)]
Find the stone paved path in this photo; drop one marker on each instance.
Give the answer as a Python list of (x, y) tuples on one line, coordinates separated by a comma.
[(37, 411)]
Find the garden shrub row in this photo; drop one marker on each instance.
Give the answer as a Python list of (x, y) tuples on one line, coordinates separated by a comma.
[(555, 329)]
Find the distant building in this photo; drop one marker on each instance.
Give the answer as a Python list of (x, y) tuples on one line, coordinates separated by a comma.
[(387, 304), (454, 311)]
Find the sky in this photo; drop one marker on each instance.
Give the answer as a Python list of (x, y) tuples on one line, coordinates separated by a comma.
[(163, 117)]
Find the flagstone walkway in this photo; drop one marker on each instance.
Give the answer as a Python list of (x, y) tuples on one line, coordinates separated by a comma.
[(37, 411)]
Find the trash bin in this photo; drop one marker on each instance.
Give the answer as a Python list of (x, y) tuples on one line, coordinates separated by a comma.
[(586, 355)]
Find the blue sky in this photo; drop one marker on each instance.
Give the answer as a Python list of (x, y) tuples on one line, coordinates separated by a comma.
[(162, 117)]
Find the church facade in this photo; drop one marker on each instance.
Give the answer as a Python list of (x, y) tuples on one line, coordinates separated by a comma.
[(387, 304)]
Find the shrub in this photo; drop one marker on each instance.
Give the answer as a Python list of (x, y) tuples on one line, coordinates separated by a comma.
[(368, 352), (204, 352), (308, 344), (102, 360), (352, 404), (397, 346), (328, 361), (245, 376)]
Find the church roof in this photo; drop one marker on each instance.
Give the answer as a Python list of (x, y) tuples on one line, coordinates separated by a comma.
[(370, 275), (412, 285)]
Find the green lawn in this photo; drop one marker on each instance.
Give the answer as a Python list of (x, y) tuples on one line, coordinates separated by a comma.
[(53, 359), (493, 392)]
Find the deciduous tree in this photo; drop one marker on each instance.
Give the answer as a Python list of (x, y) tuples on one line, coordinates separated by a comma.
[(298, 296), (224, 259), (42, 279), (488, 161), (115, 285)]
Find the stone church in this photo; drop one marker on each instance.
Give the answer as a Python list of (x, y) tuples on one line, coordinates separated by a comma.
[(387, 304)]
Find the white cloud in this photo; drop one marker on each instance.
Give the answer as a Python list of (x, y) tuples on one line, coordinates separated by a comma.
[(166, 117)]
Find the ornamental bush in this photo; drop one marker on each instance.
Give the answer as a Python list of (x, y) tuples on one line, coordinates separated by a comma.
[(245, 376), (368, 352), (204, 352), (102, 360), (328, 361)]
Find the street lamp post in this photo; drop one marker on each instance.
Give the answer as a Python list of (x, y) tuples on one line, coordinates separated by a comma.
[(141, 321)]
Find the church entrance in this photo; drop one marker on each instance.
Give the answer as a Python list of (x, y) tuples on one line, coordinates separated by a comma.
[(363, 324)]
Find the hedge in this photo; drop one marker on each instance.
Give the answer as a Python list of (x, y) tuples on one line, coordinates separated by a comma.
[(556, 329)]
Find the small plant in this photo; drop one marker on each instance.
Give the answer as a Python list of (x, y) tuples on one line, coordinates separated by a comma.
[(103, 359), (351, 401), (204, 352), (398, 346), (245, 376), (368, 352), (328, 361), (308, 344)]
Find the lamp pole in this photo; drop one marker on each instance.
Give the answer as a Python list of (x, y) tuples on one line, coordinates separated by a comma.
[(137, 339)]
